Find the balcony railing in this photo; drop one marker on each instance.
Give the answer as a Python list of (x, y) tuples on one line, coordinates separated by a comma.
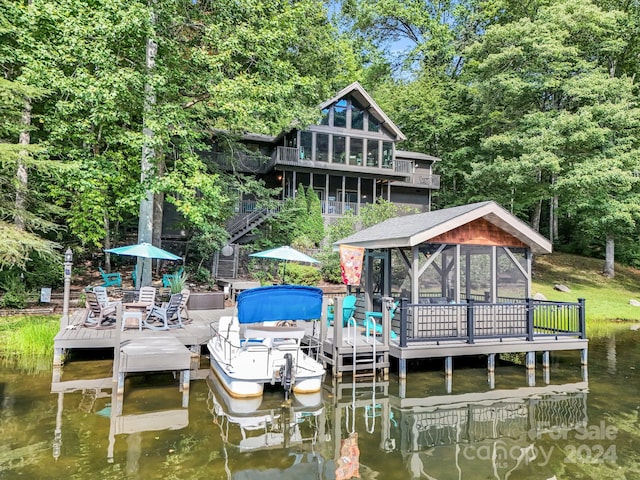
[(288, 156), (404, 166), (413, 175), (528, 319)]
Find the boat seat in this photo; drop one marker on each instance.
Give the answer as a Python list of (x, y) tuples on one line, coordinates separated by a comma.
[(273, 335)]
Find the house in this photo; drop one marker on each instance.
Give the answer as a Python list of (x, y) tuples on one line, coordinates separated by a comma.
[(350, 158)]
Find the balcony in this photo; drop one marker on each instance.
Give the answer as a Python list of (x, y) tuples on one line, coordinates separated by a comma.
[(403, 173)]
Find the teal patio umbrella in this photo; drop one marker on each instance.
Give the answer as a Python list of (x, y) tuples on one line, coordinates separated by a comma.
[(143, 250), (287, 254)]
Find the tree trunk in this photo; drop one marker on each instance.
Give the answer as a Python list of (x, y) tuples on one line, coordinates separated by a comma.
[(609, 257), (158, 203), (145, 222), (535, 216), (555, 218), (22, 177), (107, 243)]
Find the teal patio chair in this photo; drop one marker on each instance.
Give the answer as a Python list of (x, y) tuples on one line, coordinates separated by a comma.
[(348, 309), (167, 278), (110, 279), (134, 276), (370, 322)]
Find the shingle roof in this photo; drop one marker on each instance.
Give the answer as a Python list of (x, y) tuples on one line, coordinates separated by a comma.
[(412, 230)]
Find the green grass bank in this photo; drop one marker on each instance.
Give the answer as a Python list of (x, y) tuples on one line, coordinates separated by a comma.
[(607, 299)]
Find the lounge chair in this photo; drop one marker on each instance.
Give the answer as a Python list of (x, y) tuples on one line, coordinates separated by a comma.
[(103, 298), (147, 295), (97, 315), (110, 279), (184, 311), (169, 315), (348, 309), (372, 321)]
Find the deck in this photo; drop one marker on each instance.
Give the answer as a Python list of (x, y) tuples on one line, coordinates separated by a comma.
[(76, 336), (419, 332)]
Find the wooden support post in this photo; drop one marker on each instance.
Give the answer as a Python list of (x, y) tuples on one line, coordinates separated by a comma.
[(531, 378), (545, 359), (402, 369), (185, 377), (491, 379), (448, 366), (195, 357), (491, 362), (530, 318), (116, 343), (582, 319), (584, 356), (119, 394), (58, 354), (531, 368), (449, 384), (531, 360)]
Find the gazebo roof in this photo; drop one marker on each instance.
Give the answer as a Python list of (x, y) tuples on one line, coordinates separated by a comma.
[(411, 230)]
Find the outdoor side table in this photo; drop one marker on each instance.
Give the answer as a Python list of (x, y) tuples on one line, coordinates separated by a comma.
[(132, 319)]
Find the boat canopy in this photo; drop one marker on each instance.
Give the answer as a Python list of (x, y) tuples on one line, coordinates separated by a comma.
[(279, 302)]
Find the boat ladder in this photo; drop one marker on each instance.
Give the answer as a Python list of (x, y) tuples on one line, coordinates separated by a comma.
[(367, 356)]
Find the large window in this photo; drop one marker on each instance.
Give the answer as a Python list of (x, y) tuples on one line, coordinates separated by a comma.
[(372, 153), (306, 145), (339, 150), (325, 117), (374, 124), (355, 151), (357, 115), (387, 155), (340, 114), (322, 147)]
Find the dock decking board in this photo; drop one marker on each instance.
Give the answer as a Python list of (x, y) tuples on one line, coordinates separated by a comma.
[(195, 333)]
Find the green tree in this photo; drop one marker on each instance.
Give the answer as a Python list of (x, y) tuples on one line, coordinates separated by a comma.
[(348, 224), (315, 221), (559, 128)]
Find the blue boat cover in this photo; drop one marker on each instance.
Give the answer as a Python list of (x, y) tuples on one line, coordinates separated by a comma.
[(279, 302)]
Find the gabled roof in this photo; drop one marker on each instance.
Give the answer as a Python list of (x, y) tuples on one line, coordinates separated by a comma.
[(368, 104), (411, 230)]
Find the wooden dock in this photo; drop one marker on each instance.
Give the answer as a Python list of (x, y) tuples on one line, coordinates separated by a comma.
[(136, 350)]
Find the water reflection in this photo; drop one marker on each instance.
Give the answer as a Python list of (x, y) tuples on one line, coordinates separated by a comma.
[(351, 429), (290, 430), (482, 429)]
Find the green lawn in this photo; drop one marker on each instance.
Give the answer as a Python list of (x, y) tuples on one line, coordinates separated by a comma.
[(607, 300)]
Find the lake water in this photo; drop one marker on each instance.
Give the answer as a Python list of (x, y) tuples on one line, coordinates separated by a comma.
[(562, 427)]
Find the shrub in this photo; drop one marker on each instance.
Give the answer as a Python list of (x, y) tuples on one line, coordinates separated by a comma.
[(15, 292), (298, 274), (204, 276)]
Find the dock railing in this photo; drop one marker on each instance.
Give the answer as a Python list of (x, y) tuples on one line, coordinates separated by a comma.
[(473, 320)]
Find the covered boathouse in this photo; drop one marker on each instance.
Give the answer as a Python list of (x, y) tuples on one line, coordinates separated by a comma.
[(461, 278)]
